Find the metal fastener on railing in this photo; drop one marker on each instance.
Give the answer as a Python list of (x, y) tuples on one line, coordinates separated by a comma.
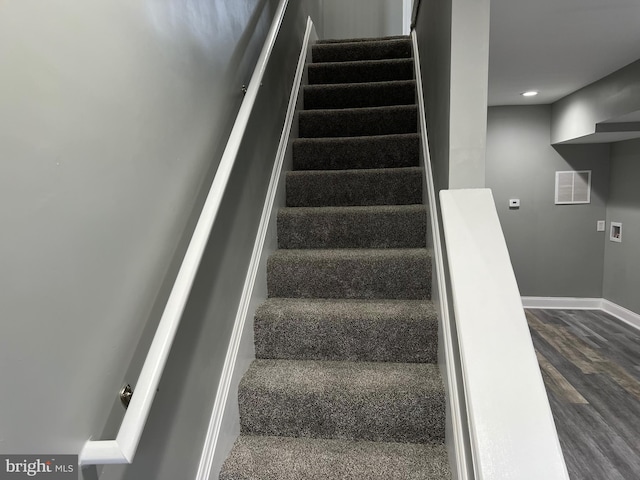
[(126, 393)]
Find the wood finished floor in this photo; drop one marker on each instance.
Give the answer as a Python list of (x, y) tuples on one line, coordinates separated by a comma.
[(590, 363)]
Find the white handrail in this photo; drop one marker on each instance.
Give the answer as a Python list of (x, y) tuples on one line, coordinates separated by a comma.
[(123, 448), (512, 432)]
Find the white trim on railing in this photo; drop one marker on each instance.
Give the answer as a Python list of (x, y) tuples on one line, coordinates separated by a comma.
[(438, 263), (513, 435), (123, 448)]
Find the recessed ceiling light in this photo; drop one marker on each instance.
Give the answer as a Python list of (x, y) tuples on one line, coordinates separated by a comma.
[(530, 93)]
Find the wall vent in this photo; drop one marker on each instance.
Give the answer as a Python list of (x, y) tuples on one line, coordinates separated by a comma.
[(573, 187)]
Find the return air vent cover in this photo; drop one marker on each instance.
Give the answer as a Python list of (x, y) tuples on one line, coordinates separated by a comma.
[(573, 187)]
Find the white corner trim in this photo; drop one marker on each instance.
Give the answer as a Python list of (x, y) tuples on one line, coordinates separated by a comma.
[(624, 314), (576, 303), (562, 303), (103, 452), (226, 380)]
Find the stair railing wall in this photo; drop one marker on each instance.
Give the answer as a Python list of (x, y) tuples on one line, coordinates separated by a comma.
[(122, 449), (458, 442), (512, 432)]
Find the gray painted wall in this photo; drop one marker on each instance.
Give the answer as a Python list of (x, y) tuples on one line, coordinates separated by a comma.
[(433, 29), (614, 96), (622, 260), (555, 249), (113, 117), (453, 40), (361, 18)]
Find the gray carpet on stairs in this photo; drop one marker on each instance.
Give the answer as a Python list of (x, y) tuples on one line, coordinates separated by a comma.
[(361, 71), (359, 50), (380, 151), (377, 401), (285, 458), (345, 384), (355, 122), (350, 273), (378, 330), (383, 226), (356, 95), (344, 188)]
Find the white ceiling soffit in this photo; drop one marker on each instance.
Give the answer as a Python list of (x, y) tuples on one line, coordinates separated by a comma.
[(558, 46)]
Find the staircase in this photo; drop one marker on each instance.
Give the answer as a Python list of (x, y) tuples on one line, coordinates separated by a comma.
[(345, 383)]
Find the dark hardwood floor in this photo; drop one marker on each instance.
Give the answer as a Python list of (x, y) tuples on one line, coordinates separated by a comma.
[(590, 363)]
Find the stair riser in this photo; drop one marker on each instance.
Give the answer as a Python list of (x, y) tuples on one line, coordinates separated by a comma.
[(359, 95), (393, 151), (358, 72), (355, 51), (360, 276), (334, 188), (283, 458), (358, 122), (369, 416), (388, 228), (374, 340)]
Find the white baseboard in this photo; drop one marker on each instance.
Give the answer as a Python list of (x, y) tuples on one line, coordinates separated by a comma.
[(626, 315), (571, 303), (566, 303)]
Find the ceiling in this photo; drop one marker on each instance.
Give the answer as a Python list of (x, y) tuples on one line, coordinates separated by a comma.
[(558, 46)]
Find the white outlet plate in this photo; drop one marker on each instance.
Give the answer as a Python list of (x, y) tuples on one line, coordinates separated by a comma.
[(601, 226), (615, 234)]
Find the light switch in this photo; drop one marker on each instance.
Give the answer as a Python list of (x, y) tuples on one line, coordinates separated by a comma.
[(601, 226), (514, 203)]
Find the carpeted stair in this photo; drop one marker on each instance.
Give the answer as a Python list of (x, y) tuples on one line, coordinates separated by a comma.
[(345, 384)]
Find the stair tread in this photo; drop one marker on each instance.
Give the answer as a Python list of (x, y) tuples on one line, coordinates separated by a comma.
[(362, 50), (377, 401), (350, 273), (357, 209), (361, 139), (359, 110), (352, 378), (286, 458), (363, 39), (378, 62), (359, 95), (354, 85), (373, 40), (342, 308), (381, 330), (362, 121), (354, 171), (358, 71), (348, 253), (365, 186), (379, 226), (340, 153)]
